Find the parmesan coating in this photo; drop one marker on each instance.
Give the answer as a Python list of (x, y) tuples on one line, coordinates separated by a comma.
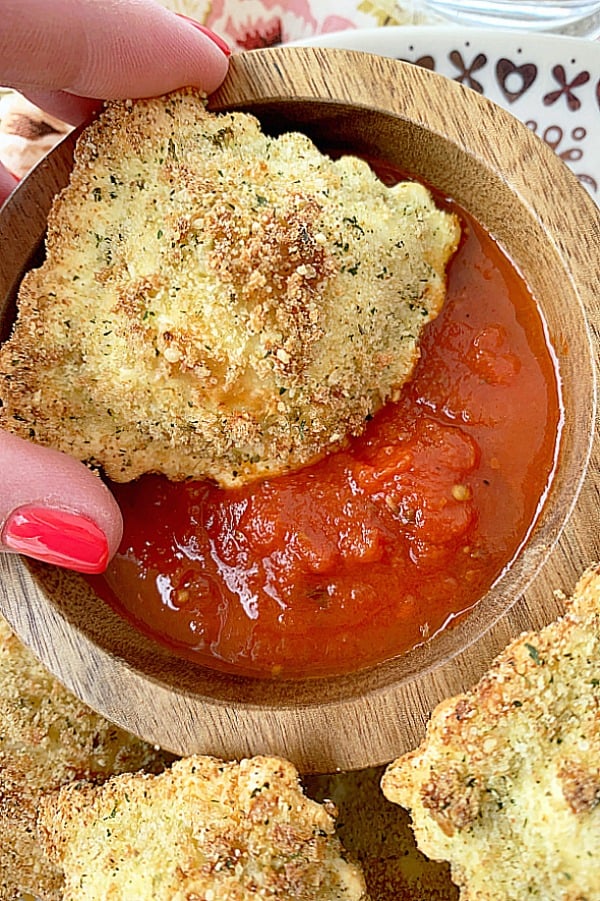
[(204, 829), (216, 302), (506, 785), (47, 738)]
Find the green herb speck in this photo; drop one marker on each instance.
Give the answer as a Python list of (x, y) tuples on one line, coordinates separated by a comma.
[(534, 653)]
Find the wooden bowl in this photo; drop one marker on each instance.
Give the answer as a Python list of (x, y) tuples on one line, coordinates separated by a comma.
[(529, 201)]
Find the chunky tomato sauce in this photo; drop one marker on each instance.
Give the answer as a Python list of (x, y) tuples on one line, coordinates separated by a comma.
[(373, 550)]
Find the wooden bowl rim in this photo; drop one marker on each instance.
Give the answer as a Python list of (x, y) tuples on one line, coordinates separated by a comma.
[(296, 721)]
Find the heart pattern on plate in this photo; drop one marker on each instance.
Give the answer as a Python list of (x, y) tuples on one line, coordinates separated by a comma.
[(522, 77)]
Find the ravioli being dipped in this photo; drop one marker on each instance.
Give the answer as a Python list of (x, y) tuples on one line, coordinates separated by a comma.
[(217, 303)]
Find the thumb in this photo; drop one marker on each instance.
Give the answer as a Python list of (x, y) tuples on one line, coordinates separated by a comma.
[(53, 508), (106, 48)]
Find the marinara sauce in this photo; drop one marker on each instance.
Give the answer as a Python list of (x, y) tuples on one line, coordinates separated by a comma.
[(374, 549)]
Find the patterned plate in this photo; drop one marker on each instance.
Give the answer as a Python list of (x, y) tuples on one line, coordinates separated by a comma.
[(549, 82)]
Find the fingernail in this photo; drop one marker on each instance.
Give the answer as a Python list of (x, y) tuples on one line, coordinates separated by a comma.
[(57, 536), (215, 38)]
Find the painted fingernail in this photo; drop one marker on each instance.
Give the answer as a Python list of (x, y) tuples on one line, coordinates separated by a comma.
[(215, 38), (57, 536)]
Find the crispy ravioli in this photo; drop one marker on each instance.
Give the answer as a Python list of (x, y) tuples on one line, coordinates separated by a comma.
[(47, 738), (506, 786), (204, 829), (216, 302)]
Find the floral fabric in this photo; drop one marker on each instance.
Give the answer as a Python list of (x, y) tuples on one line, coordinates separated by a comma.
[(250, 24)]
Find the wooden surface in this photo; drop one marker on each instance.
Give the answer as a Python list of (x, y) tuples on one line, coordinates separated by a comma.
[(528, 199)]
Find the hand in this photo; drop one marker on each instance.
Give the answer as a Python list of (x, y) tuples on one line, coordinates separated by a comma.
[(64, 55), (67, 54)]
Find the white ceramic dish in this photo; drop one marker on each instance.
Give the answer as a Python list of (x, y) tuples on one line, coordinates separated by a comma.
[(551, 83)]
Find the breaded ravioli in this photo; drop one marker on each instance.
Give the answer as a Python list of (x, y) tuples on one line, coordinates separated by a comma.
[(506, 786), (47, 738), (204, 829), (216, 302)]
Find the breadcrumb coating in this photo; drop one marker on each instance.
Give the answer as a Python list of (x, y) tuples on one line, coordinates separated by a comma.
[(205, 830), (47, 738), (506, 785), (216, 302)]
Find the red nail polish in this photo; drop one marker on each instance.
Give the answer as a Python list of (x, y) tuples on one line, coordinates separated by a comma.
[(217, 39), (57, 536)]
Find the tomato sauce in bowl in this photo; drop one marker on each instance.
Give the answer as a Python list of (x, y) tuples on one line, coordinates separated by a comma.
[(359, 558)]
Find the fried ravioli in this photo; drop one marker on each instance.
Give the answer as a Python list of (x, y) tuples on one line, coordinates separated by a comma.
[(216, 302), (47, 738), (506, 786), (204, 829)]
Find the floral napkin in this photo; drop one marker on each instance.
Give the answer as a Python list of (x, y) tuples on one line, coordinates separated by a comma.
[(250, 24)]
